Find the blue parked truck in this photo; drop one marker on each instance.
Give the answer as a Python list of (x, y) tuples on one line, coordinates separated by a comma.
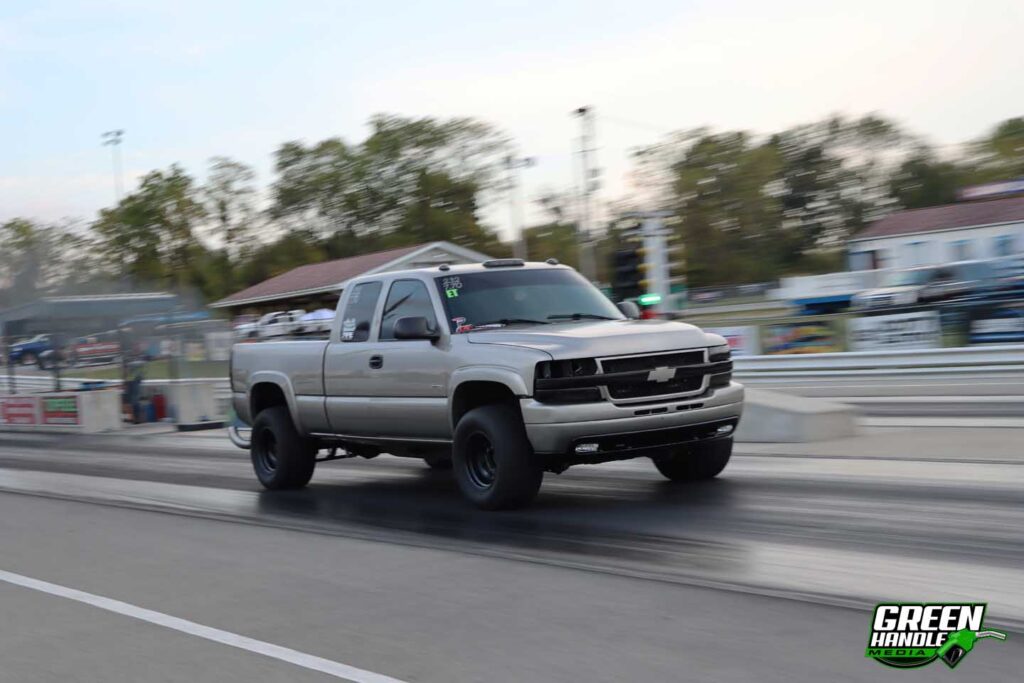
[(27, 352)]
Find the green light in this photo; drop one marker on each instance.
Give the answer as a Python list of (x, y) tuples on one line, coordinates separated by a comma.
[(649, 299)]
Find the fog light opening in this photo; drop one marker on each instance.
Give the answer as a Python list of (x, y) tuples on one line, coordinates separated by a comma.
[(588, 448), (723, 430)]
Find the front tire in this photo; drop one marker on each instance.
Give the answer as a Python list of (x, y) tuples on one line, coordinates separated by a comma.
[(493, 460), (281, 457), (697, 462)]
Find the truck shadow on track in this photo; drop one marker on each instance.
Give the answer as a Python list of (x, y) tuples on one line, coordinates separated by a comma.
[(595, 528)]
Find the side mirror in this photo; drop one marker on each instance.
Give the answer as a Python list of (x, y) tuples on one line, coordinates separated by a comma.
[(414, 327), (629, 309)]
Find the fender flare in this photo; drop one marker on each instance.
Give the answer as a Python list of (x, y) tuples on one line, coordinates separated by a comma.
[(497, 374), (280, 380)]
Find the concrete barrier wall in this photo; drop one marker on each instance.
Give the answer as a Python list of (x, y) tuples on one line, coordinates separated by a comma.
[(83, 412), (771, 417)]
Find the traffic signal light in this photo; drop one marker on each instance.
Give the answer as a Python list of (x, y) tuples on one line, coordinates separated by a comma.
[(628, 268)]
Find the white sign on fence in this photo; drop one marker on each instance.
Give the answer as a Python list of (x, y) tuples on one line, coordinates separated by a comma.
[(900, 331), (743, 339)]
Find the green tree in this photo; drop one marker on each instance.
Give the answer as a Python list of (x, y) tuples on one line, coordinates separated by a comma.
[(922, 180), (756, 207), (229, 197), (38, 259), (409, 178), (1000, 154), (151, 234)]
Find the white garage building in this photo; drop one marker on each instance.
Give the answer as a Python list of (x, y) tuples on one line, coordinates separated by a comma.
[(941, 234)]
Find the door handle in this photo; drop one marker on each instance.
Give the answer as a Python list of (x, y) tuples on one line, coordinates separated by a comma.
[(376, 362)]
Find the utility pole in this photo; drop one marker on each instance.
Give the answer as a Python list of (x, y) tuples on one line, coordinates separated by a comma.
[(590, 182), (515, 204), (112, 139)]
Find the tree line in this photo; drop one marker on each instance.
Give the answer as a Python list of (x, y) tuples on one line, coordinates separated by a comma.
[(749, 207)]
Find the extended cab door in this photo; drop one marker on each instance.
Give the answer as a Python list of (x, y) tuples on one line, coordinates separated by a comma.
[(410, 383), (348, 378)]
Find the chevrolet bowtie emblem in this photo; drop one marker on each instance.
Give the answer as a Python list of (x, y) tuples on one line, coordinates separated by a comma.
[(661, 374)]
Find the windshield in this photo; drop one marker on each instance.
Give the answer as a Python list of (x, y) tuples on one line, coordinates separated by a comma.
[(508, 297), (909, 278)]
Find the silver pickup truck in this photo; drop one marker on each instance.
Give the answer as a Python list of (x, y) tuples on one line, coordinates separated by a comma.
[(502, 371)]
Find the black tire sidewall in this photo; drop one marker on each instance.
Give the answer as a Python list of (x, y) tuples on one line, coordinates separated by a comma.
[(295, 454), (518, 475)]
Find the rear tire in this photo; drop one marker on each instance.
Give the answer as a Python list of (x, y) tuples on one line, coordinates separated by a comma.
[(697, 462), (493, 460), (281, 457)]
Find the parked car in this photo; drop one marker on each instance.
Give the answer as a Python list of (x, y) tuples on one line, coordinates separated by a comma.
[(276, 324), (244, 326), (1009, 271), (27, 352), (280, 324), (316, 322), (501, 371), (926, 284)]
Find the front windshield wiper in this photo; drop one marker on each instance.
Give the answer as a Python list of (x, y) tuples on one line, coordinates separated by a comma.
[(513, 321), (579, 316)]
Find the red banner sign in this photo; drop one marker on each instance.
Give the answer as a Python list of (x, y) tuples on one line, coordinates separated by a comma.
[(19, 410)]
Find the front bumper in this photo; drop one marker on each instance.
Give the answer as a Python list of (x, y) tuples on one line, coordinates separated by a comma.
[(627, 431)]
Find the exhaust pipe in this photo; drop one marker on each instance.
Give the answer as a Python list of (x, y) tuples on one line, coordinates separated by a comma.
[(238, 438)]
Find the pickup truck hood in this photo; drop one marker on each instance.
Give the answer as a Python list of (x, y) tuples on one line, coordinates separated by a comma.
[(596, 339)]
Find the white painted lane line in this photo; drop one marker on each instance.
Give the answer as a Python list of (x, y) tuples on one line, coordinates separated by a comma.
[(284, 654)]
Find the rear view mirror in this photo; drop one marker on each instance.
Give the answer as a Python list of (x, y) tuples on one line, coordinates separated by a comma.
[(629, 309), (414, 327)]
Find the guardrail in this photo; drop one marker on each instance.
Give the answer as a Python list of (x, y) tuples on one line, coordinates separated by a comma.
[(989, 359)]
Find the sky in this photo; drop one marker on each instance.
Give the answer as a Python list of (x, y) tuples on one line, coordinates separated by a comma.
[(189, 80)]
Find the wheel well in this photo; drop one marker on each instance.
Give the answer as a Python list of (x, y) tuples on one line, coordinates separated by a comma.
[(474, 394), (265, 395)]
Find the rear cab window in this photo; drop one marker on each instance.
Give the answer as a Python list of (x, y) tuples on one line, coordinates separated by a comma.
[(357, 317)]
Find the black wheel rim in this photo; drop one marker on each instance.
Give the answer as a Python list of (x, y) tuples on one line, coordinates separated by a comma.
[(266, 450), (481, 466)]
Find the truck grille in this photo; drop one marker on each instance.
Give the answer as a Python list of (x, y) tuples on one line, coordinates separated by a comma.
[(645, 387), (630, 379), (639, 363)]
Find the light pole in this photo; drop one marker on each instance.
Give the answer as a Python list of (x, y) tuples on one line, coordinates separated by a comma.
[(589, 184), (112, 139), (513, 165)]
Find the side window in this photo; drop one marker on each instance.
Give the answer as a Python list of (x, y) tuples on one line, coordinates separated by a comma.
[(355, 321), (407, 298)]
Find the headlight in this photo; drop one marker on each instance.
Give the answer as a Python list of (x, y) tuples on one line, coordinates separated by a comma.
[(718, 353)]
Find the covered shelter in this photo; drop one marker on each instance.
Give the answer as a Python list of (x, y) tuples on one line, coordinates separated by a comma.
[(81, 315), (318, 285)]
